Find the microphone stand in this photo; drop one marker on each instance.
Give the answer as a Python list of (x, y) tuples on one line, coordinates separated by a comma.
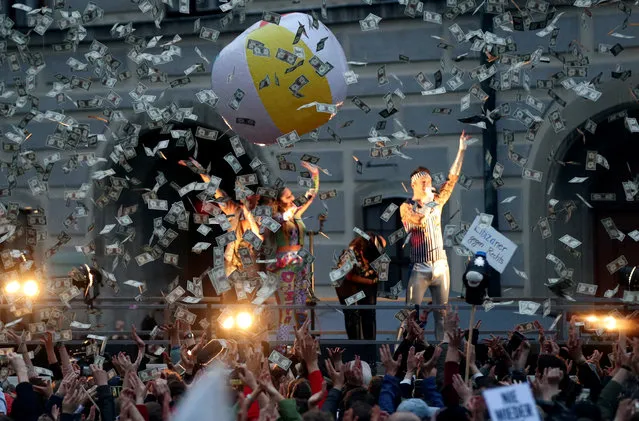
[(311, 298)]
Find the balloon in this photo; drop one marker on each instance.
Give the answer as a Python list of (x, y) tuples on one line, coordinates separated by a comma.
[(258, 94)]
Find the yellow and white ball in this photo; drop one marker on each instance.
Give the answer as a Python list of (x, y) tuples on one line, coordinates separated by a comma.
[(267, 113)]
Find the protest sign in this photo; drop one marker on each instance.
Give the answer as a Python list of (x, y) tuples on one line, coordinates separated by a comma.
[(511, 403), (499, 249)]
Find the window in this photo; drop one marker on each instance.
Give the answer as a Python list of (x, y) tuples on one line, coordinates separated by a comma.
[(399, 268)]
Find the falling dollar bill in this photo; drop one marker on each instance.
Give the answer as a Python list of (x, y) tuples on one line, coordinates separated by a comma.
[(617, 264), (586, 289), (280, 360), (528, 307), (372, 200), (544, 226), (531, 174), (388, 212), (570, 241), (396, 236), (355, 298), (337, 275), (330, 194), (612, 230), (511, 220)]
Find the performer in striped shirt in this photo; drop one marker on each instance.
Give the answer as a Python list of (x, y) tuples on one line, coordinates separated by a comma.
[(421, 216)]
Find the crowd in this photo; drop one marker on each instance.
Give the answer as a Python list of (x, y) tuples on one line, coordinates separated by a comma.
[(418, 381)]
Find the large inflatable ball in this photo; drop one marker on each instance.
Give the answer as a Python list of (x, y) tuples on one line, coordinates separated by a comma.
[(268, 77)]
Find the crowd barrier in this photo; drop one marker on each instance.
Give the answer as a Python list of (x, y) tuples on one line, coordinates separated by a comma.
[(212, 305)]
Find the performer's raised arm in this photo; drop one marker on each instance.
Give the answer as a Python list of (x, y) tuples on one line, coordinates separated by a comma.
[(312, 192), (453, 174), (248, 216), (226, 205)]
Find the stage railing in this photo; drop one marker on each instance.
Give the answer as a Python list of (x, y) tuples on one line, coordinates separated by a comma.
[(584, 305)]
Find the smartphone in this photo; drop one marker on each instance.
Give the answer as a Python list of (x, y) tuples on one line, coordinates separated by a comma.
[(515, 341), (235, 380), (86, 371)]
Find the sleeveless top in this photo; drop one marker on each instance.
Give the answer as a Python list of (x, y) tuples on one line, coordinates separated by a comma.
[(426, 241)]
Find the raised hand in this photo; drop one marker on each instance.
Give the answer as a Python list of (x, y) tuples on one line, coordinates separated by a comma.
[(391, 365), (335, 354), (309, 347), (160, 388), (138, 387), (429, 368), (574, 344), (99, 375), (463, 138), (337, 377), (353, 375), (72, 400), (17, 339), (47, 340), (68, 382), (247, 377), (411, 362), (549, 383), (134, 334), (462, 388), (313, 169), (124, 362)]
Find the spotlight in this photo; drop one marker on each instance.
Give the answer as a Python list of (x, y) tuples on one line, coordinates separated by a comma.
[(244, 320), (228, 322), (610, 323), (30, 288), (601, 323), (12, 287), (592, 318)]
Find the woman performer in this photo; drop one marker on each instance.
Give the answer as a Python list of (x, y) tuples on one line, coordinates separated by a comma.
[(290, 267), (361, 324), (242, 220)]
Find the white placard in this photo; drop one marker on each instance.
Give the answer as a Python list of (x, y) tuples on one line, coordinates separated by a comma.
[(499, 249), (510, 403)]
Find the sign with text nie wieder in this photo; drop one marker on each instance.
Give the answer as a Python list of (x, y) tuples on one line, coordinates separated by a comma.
[(499, 249), (511, 403)]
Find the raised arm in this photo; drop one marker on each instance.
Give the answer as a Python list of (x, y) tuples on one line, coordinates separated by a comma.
[(312, 192), (248, 216), (228, 206), (453, 173)]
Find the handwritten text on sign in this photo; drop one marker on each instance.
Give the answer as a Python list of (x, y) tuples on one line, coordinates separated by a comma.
[(511, 403), (499, 249)]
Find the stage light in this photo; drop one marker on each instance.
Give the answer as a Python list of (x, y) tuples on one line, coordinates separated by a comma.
[(12, 287), (244, 320), (30, 288), (228, 322), (594, 323), (610, 323)]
